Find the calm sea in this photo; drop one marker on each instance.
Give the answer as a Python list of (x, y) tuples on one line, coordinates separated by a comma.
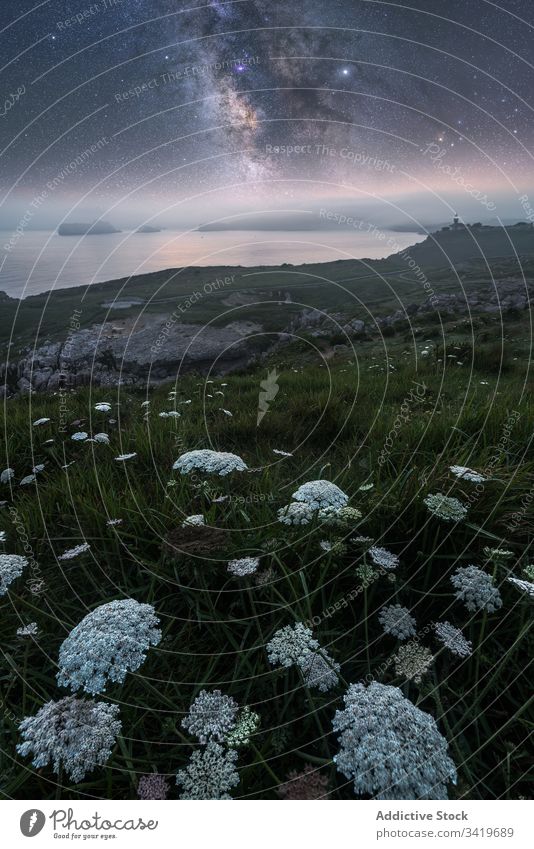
[(41, 260)]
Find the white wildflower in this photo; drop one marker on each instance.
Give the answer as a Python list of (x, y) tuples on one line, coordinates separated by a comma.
[(475, 588), (212, 462), (108, 642), (390, 748), (453, 639), (11, 568), (122, 458), (467, 474), (40, 422), (246, 725), (524, 586), (103, 407), (7, 475), (195, 521), (384, 558), (101, 438), (80, 436), (296, 513), (413, 661), (29, 630), (443, 507), (397, 621), (291, 645), (243, 566), (211, 716), (321, 493), (71, 553), (73, 734), (210, 774)]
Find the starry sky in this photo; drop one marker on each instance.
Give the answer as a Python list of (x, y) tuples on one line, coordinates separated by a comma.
[(195, 111)]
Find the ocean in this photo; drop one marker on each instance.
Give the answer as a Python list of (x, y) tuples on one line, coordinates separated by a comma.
[(40, 261)]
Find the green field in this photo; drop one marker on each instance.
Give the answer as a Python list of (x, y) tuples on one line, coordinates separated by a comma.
[(384, 416)]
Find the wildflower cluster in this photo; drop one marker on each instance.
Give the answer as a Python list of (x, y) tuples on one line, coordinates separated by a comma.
[(453, 639), (244, 566), (246, 726), (106, 644), (397, 621), (211, 716), (384, 558), (446, 508), (320, 494), (467, 474), (210, 774), (295, 645), (211, 462), (73, 734), (11, 568), (390, 748), (475, 588), (413, 661)]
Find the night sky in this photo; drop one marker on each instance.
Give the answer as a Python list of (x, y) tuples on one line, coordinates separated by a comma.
[(220, 85)]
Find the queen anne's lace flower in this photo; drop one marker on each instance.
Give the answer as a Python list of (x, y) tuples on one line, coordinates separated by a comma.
[(153, 786), (525, 586), (475, 588), (413, 661), (390, 748), (211, 462), (73, 734), (453, 639), (101, 438), (295, 645), (40, 422), (7, 475), (467, 474), (397, 621), (296, 513), (210, 774), (80, 436), (244, 566), (497, 555), (281, 453), (107, 643), (211, 716), (195, 521), (74, 552), (321, 493), (11, 568), (384, 558), (29, 630), (446, 508), (320, 670), (291, 645), (122, 458), (103, 407), (246, 725), (28, 479), (339, 517)]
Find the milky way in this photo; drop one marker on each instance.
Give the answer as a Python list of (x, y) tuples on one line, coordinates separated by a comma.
[(278, 101)]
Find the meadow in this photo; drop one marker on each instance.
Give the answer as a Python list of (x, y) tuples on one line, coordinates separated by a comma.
[(385, 426)]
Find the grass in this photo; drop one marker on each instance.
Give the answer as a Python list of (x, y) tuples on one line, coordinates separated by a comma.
[(353, 422)]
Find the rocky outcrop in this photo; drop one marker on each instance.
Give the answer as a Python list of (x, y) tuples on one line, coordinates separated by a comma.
[(157, 351)]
